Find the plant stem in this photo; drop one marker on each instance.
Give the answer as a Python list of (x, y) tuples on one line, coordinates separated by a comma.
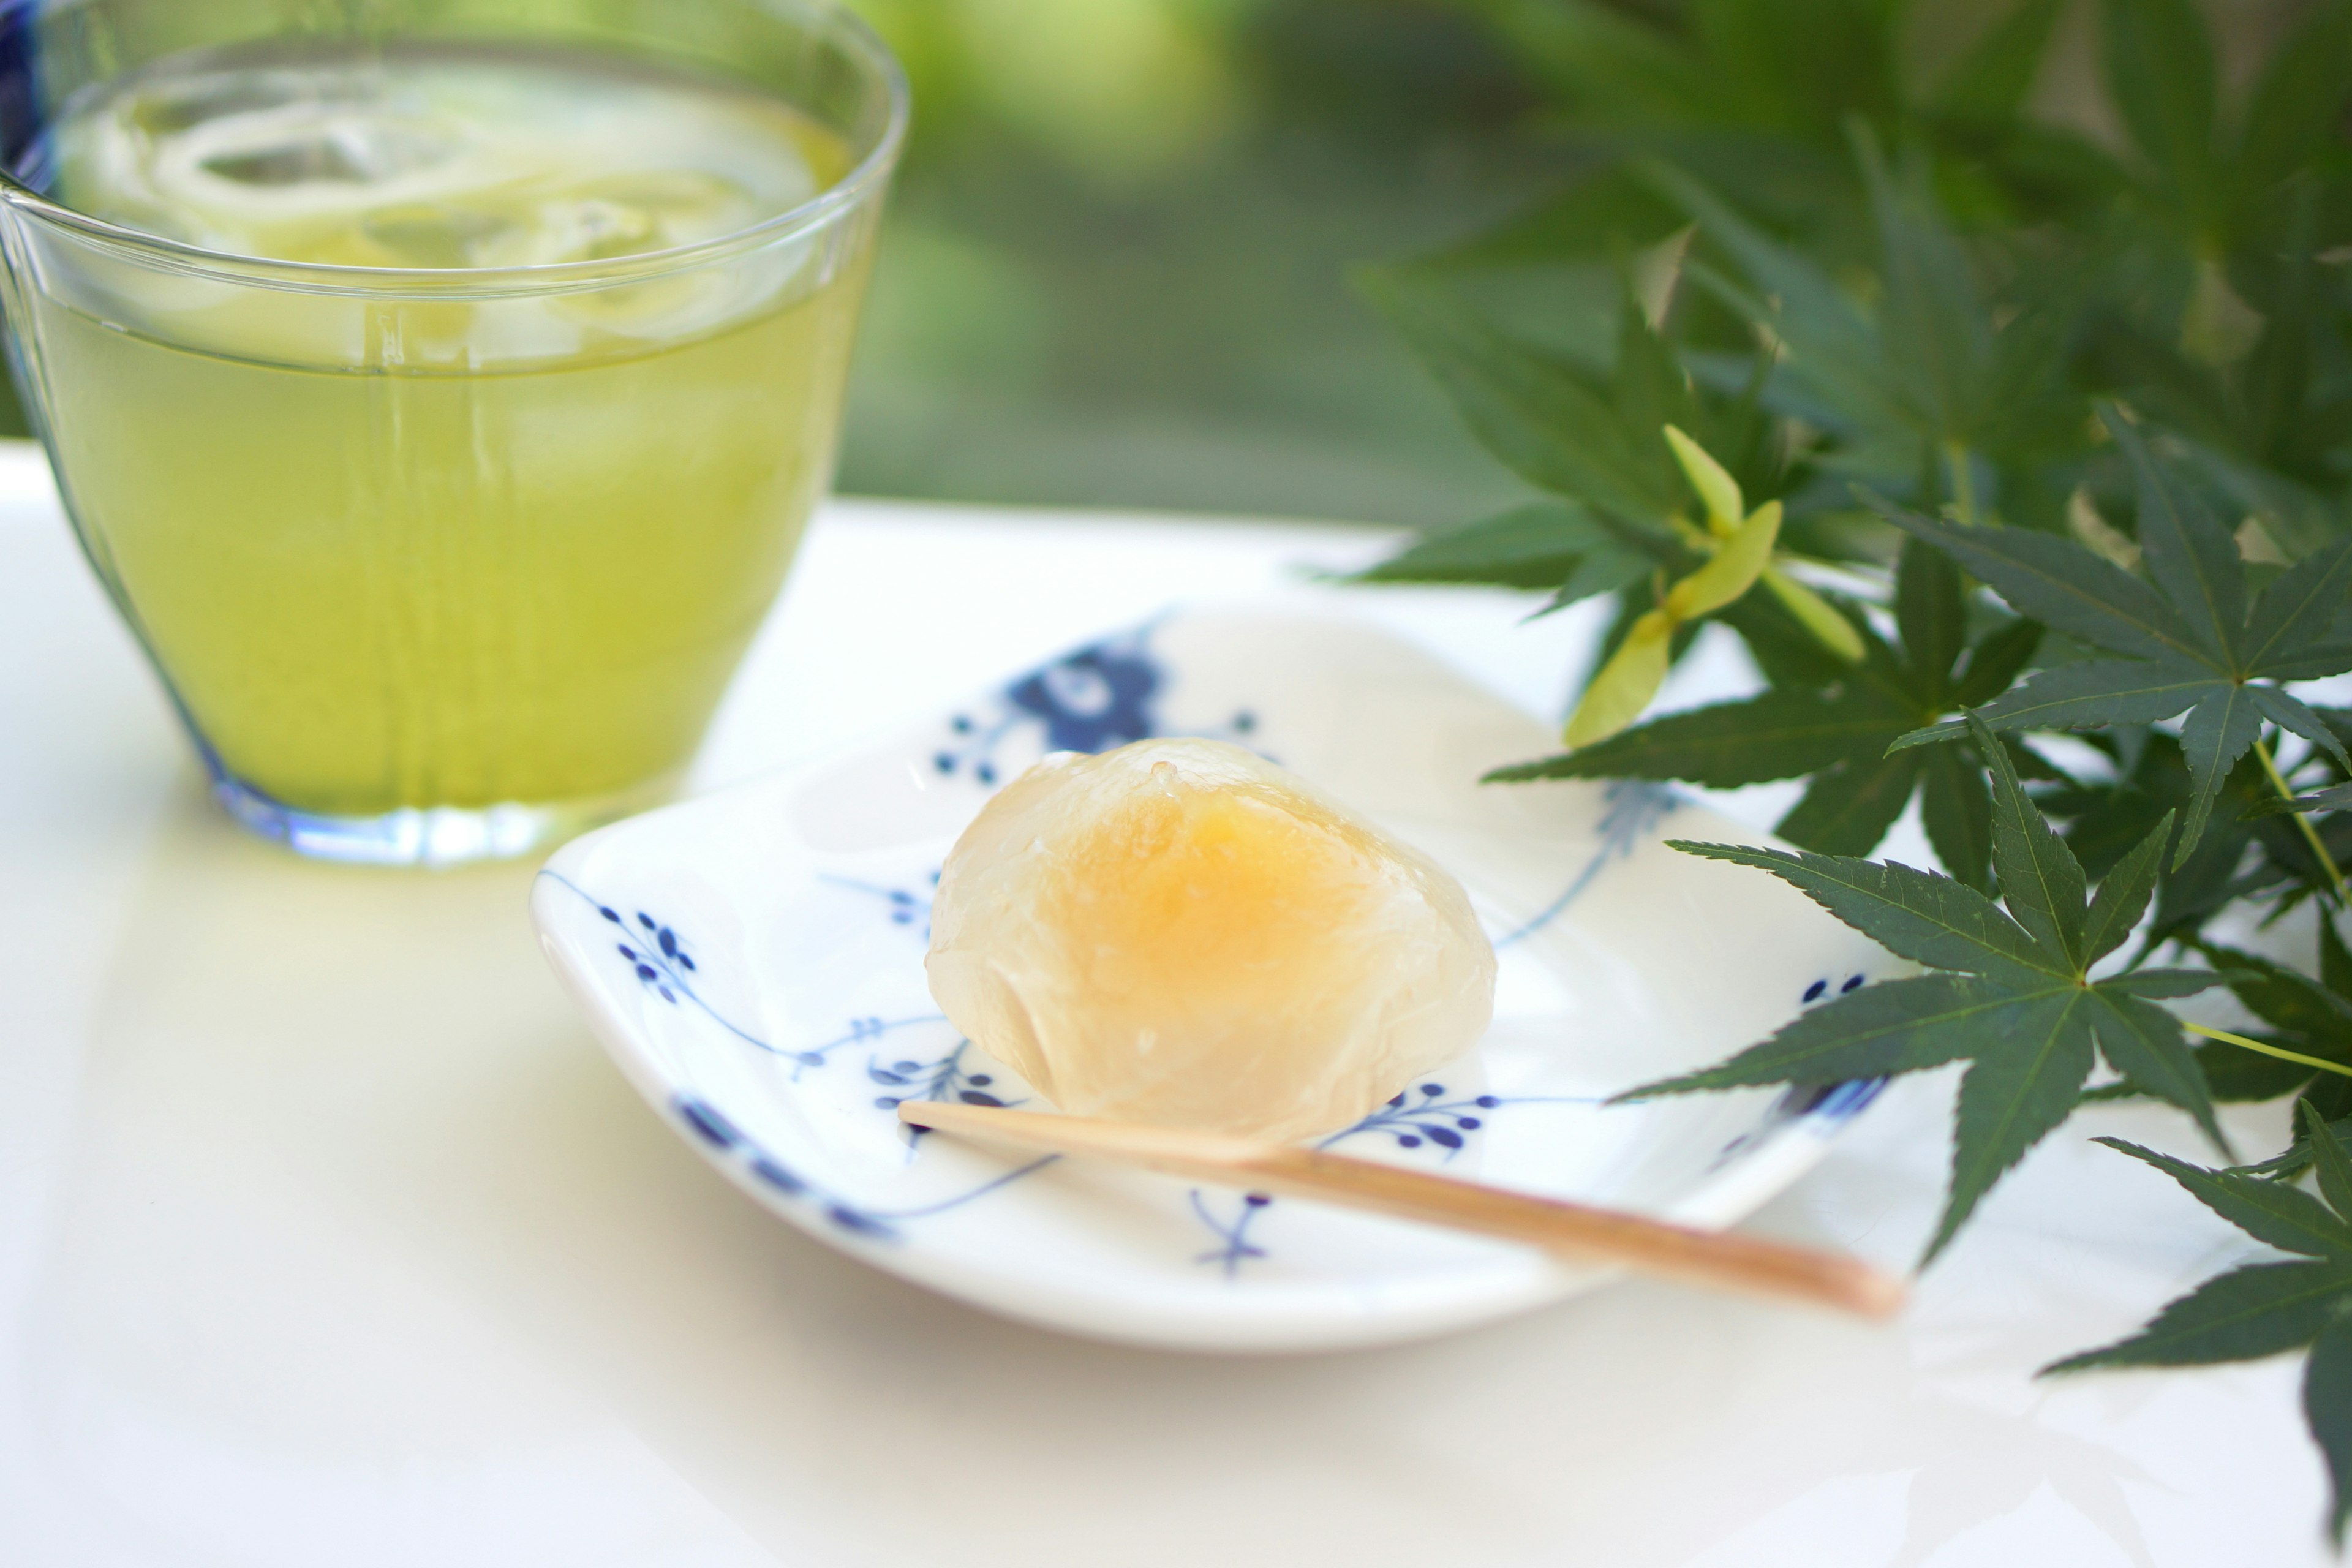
[(2302, 820), (1964, 481), (2279, 1051)]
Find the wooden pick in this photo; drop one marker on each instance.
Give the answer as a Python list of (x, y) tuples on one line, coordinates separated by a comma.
[(1692, 1257)]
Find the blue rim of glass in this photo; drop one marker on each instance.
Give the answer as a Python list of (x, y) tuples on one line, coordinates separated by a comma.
[(21, 124)]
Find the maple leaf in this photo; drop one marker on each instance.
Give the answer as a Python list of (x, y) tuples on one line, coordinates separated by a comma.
[(2311, 1019), (2267, 1307), (2188, 643), (1839, 735), (2013, 996)]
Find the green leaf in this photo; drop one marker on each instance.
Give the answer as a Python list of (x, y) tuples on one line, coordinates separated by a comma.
[(2298, 1156), (2298, 102), (1914, 914), (1732, 571), (2219, 731), (2281, 997), (1716, 488), (2298, 613), (2061, 584), (1784, 649), (2108, 820), (1930, 614), (2258, 1310), (2277, 1214), (2124, 895), (2188, 553), (1833, 351), (1777, 735), (1625, 684), (1648, 388), (2159, 70), (1849, 805), (2099, 691), (2195, 890), (1588, 48), (2041, 881), (1535, 413), (2334, 960), (2142, 1041), (2246, 1078), (2327, 1410), (1542, 545), (1956, 811), (2161, 982), (1990, 83), (1995, 661), (2159, 380), (1895, 1026), (2336, 798), (2333, 1166), (2013, 1097), (2293, 717), (1938, 337), (1834, 631), (2021, 1011)]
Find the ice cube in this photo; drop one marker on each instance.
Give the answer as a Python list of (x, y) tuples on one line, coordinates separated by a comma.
[(352, 150), (631, 214), (431, 235), (169, 108)]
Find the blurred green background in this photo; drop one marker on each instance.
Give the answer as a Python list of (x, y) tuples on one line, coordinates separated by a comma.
[(1114, 268), (1113, 271)]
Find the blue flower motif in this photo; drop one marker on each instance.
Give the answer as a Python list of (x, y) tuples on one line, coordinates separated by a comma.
[(661, 964), (946, 1078), (1832, 1104), (1630, 808), (1233, 1233), (908, 907), (1423, 1115), (1096, 698), (1090, 701)]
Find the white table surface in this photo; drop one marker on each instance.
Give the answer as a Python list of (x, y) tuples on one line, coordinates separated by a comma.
[(329, 1237)]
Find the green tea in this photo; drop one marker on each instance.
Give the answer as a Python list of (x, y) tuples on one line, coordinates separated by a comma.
[(460, 550)]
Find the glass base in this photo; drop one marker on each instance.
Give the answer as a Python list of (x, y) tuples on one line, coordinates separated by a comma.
[(434, 835)]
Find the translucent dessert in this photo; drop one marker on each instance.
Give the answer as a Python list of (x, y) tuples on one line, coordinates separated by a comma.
[(1181, 933)]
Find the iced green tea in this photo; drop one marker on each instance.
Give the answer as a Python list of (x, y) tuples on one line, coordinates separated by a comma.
[(434, 550)]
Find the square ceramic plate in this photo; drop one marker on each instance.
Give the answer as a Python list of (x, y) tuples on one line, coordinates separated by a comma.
[(753, 962)]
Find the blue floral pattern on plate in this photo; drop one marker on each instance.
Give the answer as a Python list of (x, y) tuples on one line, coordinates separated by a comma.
[(870, 1057)]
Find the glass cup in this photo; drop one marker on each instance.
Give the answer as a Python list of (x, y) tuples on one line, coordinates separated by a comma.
[(442, 562)]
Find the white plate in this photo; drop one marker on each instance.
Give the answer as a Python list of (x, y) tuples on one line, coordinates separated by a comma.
[(753, 960)]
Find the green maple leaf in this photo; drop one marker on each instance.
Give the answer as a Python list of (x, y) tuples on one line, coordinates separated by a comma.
[(2189, 643), (2309, 1017), (1839, 735), (2109, 818), (2299, 1155), (2013, 997), (2336, 797), (2266, 1308), (1559, 546), (1934, 373), (1594, 438)]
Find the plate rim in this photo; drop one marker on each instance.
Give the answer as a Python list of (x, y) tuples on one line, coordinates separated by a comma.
[(1790, 1141)]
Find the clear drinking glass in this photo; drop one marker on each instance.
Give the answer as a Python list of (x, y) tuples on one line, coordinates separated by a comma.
[(441, 559)]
